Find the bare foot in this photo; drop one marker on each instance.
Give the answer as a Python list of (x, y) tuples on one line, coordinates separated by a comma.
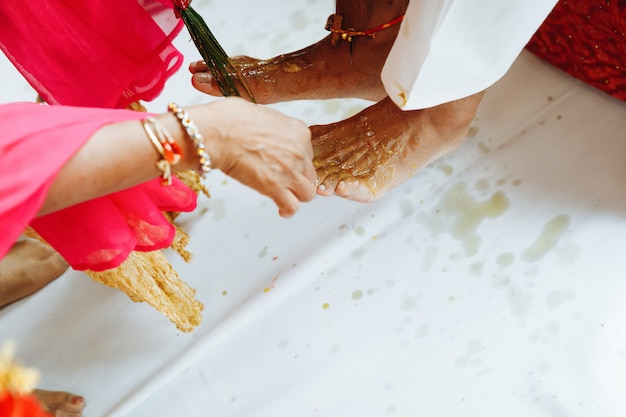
[(27, 267), (60, 403), (321, 71), (362, 157)]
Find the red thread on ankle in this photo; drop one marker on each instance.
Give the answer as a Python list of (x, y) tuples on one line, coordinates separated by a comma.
[(348, 34), (372, 31)]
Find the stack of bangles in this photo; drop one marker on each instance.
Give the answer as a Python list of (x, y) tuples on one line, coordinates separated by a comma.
[(171, 153)]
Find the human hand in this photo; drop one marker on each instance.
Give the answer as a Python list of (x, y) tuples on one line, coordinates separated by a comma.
[(261, 148)]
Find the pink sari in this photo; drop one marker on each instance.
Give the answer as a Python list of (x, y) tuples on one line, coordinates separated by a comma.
[(98, 55)]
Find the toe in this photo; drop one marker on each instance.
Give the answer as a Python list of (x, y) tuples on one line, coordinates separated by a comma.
[(327, 185), (346, 187), (355, 190), (61, 403), (205, 83)]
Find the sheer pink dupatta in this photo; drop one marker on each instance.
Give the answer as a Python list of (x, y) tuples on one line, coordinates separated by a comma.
[(93, 54), (100, 53)]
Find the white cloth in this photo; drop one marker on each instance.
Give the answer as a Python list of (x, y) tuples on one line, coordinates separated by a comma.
[(450, 49), (491, 284)]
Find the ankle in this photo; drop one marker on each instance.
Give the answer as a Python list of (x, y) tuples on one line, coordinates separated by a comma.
[(367, 14)]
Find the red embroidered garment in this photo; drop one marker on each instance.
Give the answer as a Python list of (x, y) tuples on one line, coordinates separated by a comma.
[(586, 38)]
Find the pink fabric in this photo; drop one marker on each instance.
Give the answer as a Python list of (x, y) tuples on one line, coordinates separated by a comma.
[(97, 53), (98, 234)]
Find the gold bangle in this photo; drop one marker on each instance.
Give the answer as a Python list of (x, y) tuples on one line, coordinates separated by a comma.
[(194, 134), (146, 123), (165, 145)]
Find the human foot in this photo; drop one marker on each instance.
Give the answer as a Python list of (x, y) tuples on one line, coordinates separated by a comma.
[(27, 267), (321, 71), (362, 157), (60, 403)]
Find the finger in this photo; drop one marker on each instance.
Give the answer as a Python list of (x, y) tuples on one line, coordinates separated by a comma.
[(308, 174), (288, 204), (303, 188), (309, 169)]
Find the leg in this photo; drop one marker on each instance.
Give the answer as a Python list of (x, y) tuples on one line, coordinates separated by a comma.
[(363, 157), (322, 71), (60, 403), (29, 266)]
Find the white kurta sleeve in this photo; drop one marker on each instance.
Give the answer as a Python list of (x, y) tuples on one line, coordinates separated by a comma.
[(450, 49)]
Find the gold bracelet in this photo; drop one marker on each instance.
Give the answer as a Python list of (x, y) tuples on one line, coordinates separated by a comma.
[(165, 145), (194, 134)]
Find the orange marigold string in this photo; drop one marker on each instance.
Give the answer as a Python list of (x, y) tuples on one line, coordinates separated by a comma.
[(20, 405), (16, 386)]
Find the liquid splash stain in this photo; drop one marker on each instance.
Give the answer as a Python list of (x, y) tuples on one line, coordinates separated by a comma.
[(357, 295), (460, 213), (548, 238)]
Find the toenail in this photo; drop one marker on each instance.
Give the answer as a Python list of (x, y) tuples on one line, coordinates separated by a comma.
[(322, 187), (76, 400), (202, 77)]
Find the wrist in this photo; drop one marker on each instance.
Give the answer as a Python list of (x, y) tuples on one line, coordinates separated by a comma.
[(193, 134), (171, 124), (208, 122), (210, 138)]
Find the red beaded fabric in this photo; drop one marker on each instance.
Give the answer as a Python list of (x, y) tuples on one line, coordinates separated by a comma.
[(586, 38)]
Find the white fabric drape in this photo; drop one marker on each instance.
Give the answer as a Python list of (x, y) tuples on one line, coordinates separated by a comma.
[(450, 49)]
